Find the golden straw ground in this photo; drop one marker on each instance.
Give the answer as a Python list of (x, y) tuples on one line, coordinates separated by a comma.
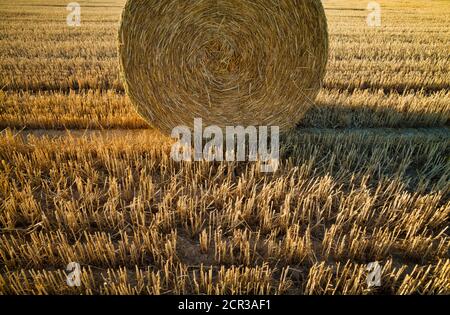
[(140, 223), (231, 62)]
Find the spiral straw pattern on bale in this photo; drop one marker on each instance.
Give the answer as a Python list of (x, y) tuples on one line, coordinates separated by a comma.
[(229, 62)]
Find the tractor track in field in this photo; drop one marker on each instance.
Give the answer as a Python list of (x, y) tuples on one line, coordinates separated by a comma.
[(436, 132)]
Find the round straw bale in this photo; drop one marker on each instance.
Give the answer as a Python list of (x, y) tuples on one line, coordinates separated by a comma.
[(229, 62)]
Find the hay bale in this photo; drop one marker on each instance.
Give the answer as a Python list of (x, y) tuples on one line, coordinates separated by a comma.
[(229, 62)]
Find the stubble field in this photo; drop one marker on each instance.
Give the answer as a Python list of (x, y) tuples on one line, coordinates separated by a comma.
[(364, 178)]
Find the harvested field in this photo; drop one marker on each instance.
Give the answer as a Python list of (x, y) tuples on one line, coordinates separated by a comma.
[(364, 177)]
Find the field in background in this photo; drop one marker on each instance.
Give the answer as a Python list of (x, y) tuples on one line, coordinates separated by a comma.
[(350, 190), (396, 76)]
